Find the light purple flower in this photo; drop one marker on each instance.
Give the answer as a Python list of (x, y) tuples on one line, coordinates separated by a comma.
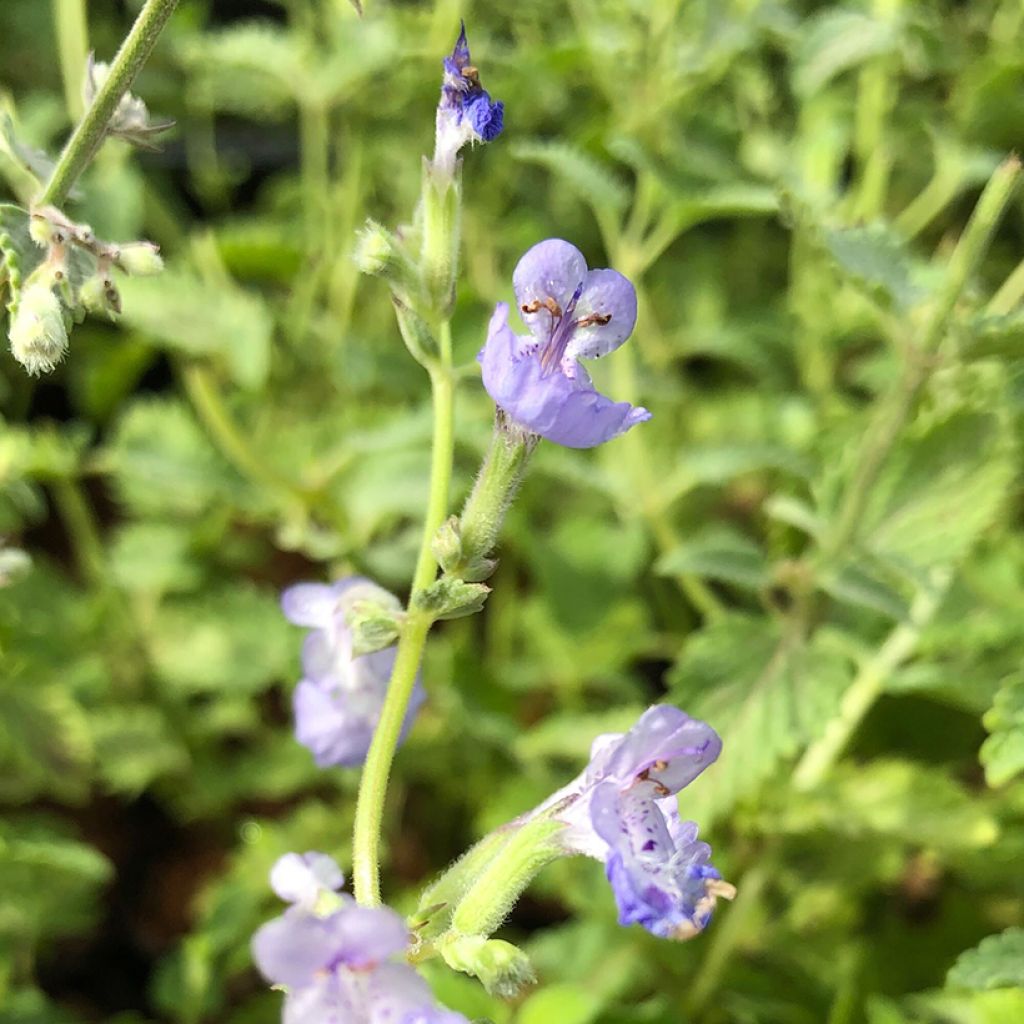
[(338, 701), (336, 962), (573, 313), (465, 112), (621, 810)]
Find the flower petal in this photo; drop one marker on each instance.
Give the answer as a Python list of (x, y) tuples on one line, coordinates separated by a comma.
[(606, 294), (568, 412), (550, 272), (302, 877), (309, 604)]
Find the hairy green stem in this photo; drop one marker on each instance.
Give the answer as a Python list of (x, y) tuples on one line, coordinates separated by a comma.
[(442, 385), (73, 48), (92, 129), (867, 687), (86, 544), (374, 781)]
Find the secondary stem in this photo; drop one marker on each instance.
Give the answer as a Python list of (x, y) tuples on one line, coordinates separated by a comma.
[(869, 684), (92, 129), (73, 45)]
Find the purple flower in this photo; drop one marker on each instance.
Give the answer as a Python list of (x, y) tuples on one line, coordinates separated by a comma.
[(620, 809), (338, 701), (465, 112), (572, 313), (336, 964)]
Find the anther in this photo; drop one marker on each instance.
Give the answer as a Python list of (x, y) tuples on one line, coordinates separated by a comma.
[(594, 319)]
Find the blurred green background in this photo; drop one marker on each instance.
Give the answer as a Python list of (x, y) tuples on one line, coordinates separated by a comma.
[(785, 182)]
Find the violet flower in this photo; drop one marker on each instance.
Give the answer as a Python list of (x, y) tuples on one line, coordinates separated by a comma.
[(334, 957), (621, 810), (338, 701), (466, 112), (572, 313)]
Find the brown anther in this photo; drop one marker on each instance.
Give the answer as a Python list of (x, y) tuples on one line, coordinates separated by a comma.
[(536, 305), (659, 766), (471, 73), (662, 790), (594, 319)]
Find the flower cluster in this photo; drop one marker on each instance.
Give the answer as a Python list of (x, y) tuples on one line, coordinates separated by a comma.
[(466, 112), (572, 313), (621, 810), (336, 958), (338, 701)]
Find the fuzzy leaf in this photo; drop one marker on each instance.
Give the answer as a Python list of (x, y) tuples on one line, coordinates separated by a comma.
[(996, 962), (1002, 753), (766, 695), (588, 178), (836, 41)]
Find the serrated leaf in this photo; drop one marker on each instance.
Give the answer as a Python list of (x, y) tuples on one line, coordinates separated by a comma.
[(996, 962), (163, 464), (589, 179), (721, 555), (186, 313), (233, 640), (767, 695), (1002, 753), (133, 747), (153, 557), (937, 494), (875, 259), (856, 584), (836, 41)]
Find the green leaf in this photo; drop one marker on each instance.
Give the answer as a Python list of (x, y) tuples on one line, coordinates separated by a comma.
[(935, 495), (133, 747), (233, 640), (858, 585), (718, 554), (163, 464), (201, 318), (1002, 753), (766, 694), (590, 180), (567, 1004), (996, 962), (451, 598), (153, 557), (875, 259), (836, 41)]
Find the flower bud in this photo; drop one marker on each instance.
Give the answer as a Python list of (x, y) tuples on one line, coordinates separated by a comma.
[(503, 969), (141, 259), (38, 335)]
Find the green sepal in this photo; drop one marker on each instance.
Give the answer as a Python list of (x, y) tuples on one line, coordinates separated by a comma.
[(374, 626), (448, 550), (503, 969), (416, 333), (452, 598)]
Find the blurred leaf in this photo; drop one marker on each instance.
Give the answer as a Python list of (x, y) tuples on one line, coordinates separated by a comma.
[(718, 554), (202, 318), (134, 746), (996, 962), (153, 557), (1002, 753), (766, 694), (163, 464), (875, 259), (835, 41), (234, 640), (567, 1004), (591, 181)]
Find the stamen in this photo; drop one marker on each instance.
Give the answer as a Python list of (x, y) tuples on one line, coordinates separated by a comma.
[(536, 305), (598, 319), (471, 73)]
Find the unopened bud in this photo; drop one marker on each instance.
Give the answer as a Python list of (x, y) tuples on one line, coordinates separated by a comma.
[(141, 259), (98, 295), (38, 335), (503, 969)]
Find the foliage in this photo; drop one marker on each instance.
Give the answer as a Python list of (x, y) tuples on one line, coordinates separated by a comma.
[(815, 544)]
